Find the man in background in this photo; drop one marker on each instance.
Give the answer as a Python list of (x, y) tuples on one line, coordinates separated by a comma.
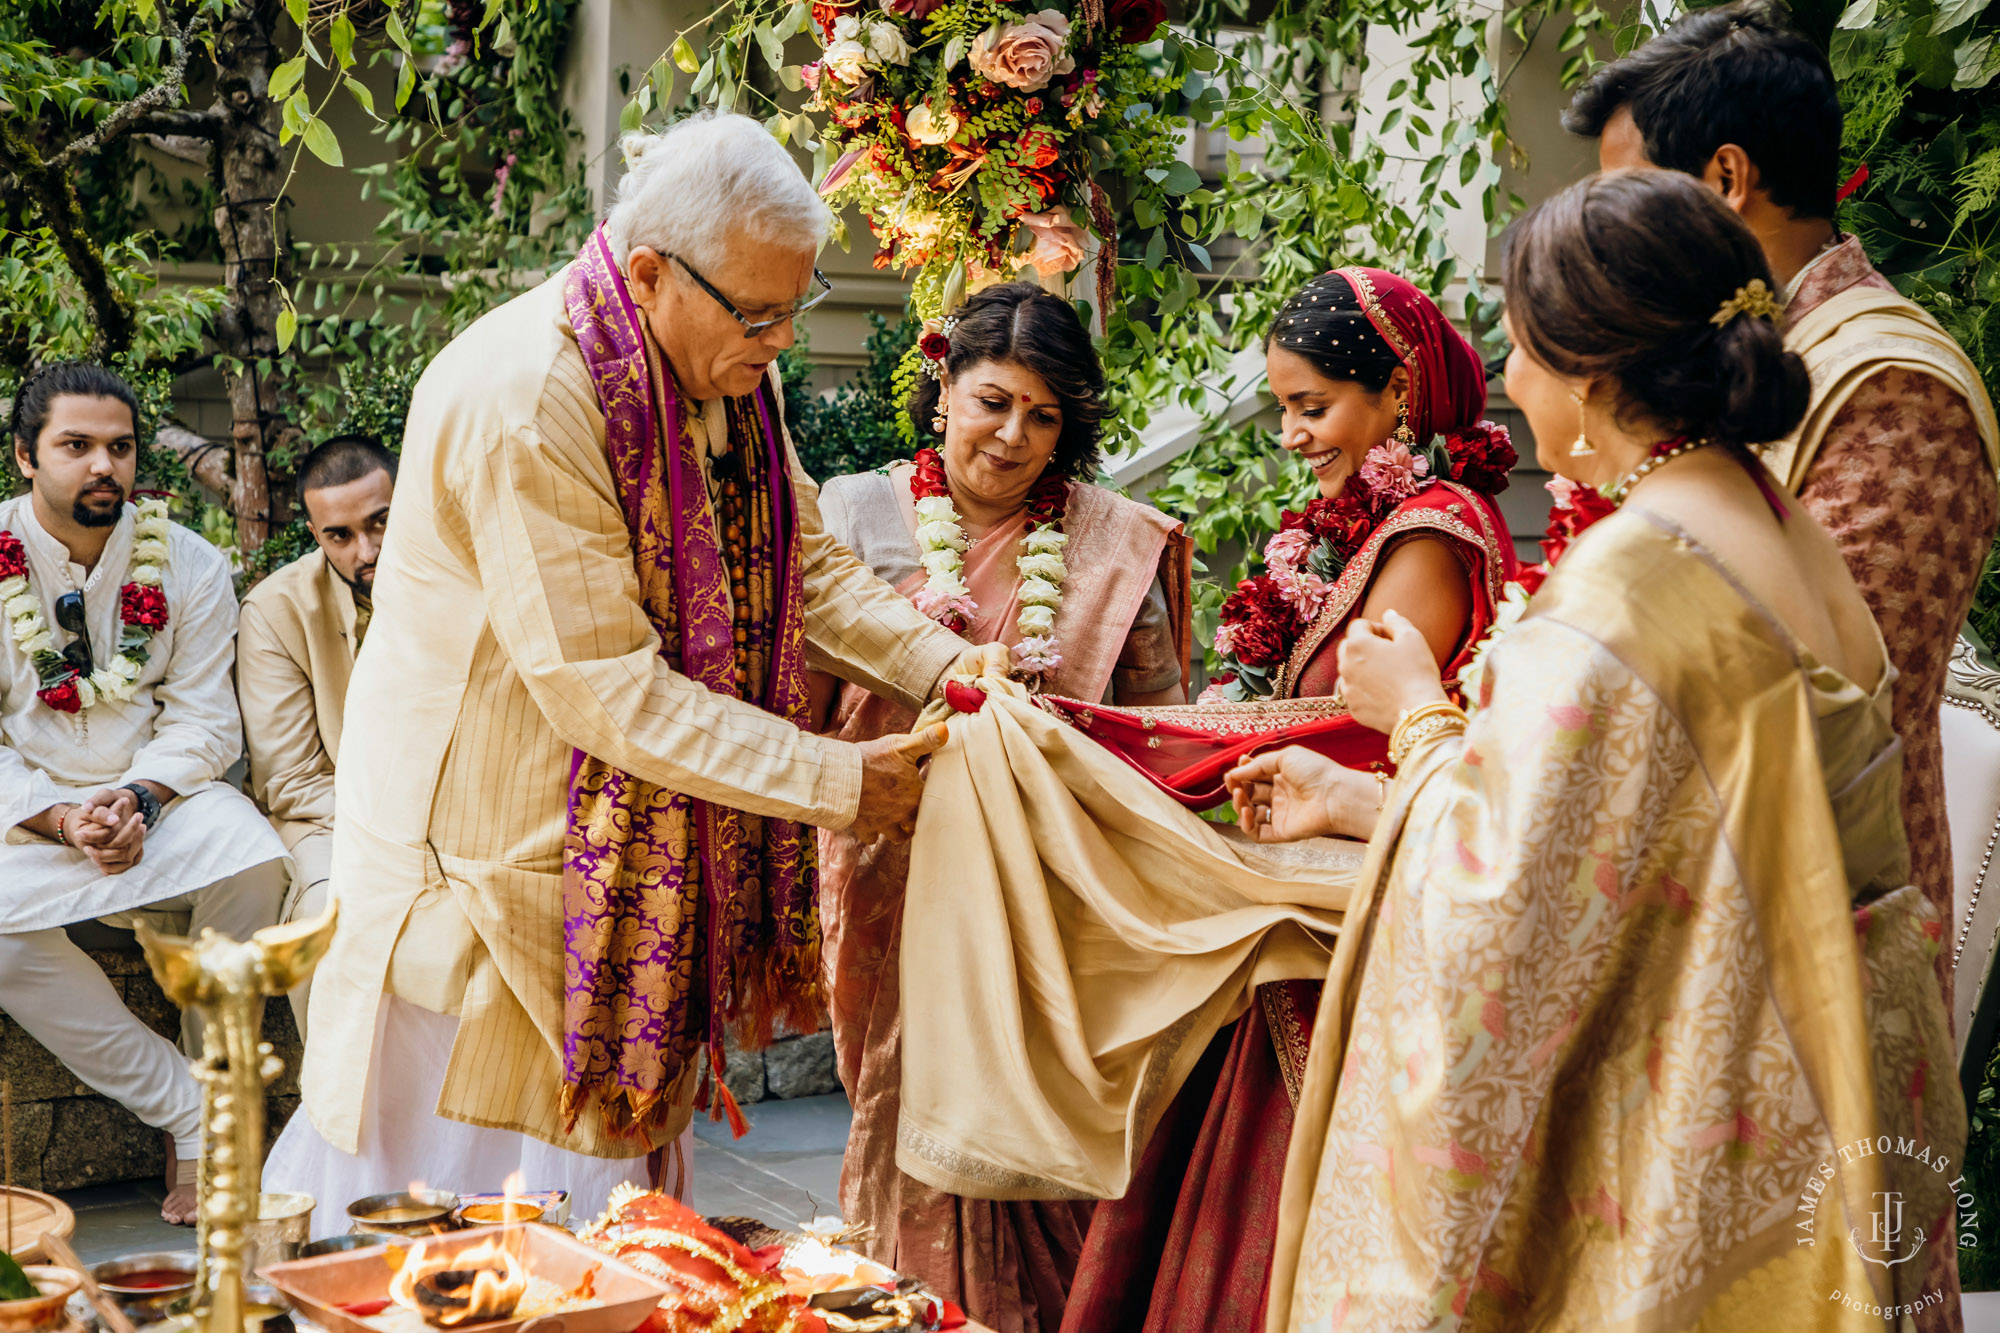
[(295, 648)]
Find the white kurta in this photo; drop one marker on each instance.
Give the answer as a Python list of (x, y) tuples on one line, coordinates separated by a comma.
[(181, 730)]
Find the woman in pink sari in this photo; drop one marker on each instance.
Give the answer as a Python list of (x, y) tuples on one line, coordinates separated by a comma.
[(1383, 399), (996, 531)]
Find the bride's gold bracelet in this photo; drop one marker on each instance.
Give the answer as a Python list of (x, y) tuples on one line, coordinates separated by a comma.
[(1420, 724)]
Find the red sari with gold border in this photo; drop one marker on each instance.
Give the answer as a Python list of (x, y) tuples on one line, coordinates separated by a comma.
[(1188, 1249)]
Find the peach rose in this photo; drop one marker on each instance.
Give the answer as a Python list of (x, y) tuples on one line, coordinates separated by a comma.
[(1059, 242), (1024, 55)]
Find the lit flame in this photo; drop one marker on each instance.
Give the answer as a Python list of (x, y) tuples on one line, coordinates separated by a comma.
[(417, 1187), (476, 1284), (513, 1188)]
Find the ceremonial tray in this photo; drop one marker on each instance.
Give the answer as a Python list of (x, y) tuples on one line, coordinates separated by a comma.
[(625, 1296)]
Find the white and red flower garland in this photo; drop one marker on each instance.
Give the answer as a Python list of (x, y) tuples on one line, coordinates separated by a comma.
[(942, 543), (142, 609)]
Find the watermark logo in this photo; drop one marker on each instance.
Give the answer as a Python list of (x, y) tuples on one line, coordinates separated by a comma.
[(1890, 1239), (1880, 1248)]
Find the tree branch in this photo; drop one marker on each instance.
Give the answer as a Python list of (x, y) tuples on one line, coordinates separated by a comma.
[(55, 196), (155, 99), (187, 124)]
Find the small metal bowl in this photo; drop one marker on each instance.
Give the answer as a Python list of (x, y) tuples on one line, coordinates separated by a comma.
[(404, 1213), (147, 1304), (487, 1212), (355, 1240)]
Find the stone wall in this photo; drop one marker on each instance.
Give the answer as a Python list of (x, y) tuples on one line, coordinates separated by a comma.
[(66, 1136), (790, 1067)]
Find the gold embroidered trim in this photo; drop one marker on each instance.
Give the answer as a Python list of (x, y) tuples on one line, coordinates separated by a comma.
[(1019, 1184), (1245, 718), (1354, 579), (1371, 306), (1288, 1037)]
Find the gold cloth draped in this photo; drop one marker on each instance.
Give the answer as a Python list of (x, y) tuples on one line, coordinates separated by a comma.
[(1072, 939), (1600, 1057)]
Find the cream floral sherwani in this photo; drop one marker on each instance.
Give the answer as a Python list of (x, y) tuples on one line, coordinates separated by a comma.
[(507, 635)]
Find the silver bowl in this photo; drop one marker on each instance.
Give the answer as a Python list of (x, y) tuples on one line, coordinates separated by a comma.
[(404, 1213), (146, 1304), (357, 1240)]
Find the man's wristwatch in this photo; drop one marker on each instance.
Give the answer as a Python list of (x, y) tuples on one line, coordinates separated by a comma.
[(149, 804)]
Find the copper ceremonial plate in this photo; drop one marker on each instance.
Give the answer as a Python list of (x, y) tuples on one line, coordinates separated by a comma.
[(344, 1293)]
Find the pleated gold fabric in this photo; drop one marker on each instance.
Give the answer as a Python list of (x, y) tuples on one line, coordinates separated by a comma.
[(1072, 939)]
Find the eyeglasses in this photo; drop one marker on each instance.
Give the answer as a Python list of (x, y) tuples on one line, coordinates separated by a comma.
[(751, 328), (69, 614)]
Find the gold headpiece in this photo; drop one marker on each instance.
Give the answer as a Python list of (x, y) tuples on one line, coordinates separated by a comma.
[(1754, 298)]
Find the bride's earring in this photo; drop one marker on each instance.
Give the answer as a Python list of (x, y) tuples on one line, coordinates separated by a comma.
[(1403, 435), (1581, 447), (937, 417)]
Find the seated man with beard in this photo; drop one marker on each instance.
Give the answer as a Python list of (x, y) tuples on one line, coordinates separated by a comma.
[(116, 727), (295, 651)]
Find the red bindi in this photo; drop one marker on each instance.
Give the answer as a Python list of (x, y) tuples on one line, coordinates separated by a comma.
[(1027, 398)]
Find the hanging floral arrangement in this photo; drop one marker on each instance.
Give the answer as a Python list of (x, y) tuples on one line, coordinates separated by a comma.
[(980, 140)]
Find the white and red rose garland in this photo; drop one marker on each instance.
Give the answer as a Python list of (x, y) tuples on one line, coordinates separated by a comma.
[(942, 543), (142, 609)]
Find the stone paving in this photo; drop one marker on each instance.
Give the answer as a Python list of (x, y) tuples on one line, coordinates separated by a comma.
[(786, 1170)]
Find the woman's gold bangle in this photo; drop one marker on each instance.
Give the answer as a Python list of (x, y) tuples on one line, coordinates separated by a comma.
[(1422, 723)]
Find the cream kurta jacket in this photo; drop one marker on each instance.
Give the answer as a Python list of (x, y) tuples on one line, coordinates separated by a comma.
[(294, 657), (508, 632)]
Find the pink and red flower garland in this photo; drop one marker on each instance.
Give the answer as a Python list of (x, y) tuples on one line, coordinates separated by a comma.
[(1262, 620)]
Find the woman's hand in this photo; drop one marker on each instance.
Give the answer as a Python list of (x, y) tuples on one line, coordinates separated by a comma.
[(1289, 794), (1386, 669)]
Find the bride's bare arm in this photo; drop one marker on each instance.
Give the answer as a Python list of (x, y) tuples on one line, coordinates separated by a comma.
[(1423, 579)]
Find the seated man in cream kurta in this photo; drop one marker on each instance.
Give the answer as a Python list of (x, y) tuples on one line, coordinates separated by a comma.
[(116, 727), (576, 772), (295, 648)]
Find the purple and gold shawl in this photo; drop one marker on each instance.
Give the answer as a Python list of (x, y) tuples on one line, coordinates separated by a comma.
[(682, 917)]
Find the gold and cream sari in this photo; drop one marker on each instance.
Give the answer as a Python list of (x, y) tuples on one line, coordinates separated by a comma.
[(1639, 1032)]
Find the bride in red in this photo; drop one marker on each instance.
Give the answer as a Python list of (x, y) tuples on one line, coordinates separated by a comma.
[(1382, 397)]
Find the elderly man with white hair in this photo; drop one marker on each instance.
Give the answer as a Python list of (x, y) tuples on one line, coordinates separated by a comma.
[(572, 845)]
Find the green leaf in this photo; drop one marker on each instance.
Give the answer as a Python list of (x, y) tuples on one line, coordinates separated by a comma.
[(683, 55), (1147, 213), (287, 77), (1955, 13), (954, 51), (1181, 178), (771, 46), (1858, 15), (397, 34), (792, 78), (360, 92), (324, 146), (288, 327), (1156, 249), (342, 38), (630, 116), (297, 9), (406, 81)]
